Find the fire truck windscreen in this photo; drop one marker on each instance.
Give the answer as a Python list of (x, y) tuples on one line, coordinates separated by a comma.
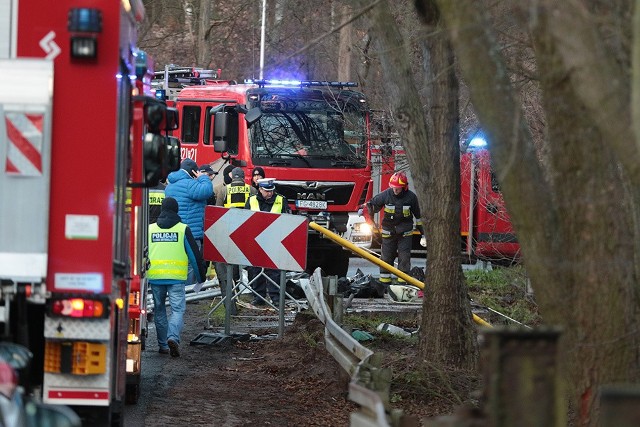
[(299, 132)]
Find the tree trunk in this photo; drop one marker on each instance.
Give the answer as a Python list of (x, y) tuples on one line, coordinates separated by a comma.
[(203, 53), (344, 47), (450, 337), (573, 225)]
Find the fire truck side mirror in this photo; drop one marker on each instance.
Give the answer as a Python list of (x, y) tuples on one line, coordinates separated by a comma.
[(219, 128), (159, 117), (154, 113), (172, 121), (173, 153), (221, 121), (155, 159)]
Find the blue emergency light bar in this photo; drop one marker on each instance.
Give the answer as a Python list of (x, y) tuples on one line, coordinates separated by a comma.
[(478, 142), (299, 83)]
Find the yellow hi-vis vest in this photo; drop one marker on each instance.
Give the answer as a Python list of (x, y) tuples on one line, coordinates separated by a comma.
[(167, 255), (237, 195), (275, 208)]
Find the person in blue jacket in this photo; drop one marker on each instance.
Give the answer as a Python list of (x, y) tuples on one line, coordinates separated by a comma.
[(191, 188), (172, 249)]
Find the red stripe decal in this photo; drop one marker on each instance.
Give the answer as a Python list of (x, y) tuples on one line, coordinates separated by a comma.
[(37, 120), (10, 167), (23, 145), (78, 394)]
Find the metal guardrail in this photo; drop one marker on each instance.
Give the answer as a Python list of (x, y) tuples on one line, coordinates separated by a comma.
[(369, 383)]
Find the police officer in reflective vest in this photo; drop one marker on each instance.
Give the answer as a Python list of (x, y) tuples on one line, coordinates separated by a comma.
[(400, 207), (172, 248), (267, 200), (232, 195), (236, 193), (156, 196)]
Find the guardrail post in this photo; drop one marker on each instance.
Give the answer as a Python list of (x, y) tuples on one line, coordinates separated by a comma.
[(332, 298), (620, 405), (521, 377)]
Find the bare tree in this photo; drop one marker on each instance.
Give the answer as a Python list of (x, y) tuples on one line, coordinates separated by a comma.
[(448, 335), (577, 225)]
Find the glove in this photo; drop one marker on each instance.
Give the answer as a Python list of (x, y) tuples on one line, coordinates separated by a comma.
[(423, 242), (360, 211)]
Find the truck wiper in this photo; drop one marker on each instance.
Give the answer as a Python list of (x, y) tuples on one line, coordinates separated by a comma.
[(296, 156), (344, 163), (279, 163)]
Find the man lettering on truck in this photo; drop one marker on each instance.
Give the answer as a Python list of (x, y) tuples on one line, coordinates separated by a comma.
[(400, 207), (172, 248), (191, 189)]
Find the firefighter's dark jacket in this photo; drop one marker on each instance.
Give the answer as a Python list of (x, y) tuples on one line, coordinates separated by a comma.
[(168, 219), (398, 211), (266, 205)]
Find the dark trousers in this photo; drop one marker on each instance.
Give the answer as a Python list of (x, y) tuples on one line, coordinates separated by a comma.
[(261, 285), (221, 274), (392, 246)]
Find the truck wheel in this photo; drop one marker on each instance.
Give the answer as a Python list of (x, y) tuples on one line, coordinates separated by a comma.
[(132, 394), (336, 264)]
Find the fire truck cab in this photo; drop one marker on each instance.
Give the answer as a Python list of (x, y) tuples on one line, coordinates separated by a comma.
[(312, 136)]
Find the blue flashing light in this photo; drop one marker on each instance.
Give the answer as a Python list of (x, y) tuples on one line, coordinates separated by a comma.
[(84, 20), (478, 142), (299, 83), (161, 94), (141, 63)]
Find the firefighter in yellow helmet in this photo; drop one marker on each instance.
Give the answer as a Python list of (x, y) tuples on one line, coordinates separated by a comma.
[(400, 207)]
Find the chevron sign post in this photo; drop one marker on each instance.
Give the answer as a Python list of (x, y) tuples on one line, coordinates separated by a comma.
[(259, 239)]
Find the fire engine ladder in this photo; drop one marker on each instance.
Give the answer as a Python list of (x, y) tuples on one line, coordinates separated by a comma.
[(173, 79)]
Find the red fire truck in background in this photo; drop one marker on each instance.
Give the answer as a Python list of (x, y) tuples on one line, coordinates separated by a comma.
[(81, 139), (312, 136), (485, 228)]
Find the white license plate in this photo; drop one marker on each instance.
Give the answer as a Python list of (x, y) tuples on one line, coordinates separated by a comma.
[(311, 204)]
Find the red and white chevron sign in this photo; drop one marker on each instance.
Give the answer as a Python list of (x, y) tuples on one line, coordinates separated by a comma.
[(24, 152), (259, 239)]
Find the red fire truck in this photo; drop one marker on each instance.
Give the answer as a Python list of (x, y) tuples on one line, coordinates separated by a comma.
[(312, 136), (80, 141), (485, 228)]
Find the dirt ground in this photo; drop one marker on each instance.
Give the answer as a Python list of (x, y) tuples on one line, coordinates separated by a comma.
[(286, 382)]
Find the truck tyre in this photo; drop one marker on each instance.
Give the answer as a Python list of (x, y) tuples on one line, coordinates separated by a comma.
[(336, 264), (132, 394)]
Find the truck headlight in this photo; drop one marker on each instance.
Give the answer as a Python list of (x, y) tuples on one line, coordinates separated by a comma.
[(362, 227)]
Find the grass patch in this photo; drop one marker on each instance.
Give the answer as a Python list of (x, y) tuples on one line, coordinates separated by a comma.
[(504, 290)]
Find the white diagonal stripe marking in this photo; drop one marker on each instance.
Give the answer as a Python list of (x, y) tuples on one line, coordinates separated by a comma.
[(272, 238)]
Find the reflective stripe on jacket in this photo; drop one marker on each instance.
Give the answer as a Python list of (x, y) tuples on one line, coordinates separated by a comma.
[(275, 208), (167, 254), (237, 195)]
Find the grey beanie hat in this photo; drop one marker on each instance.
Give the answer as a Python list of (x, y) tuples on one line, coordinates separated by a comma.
[(237, 173)]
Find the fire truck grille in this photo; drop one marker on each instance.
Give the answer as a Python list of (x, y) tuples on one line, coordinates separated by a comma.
[(334, 193)]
